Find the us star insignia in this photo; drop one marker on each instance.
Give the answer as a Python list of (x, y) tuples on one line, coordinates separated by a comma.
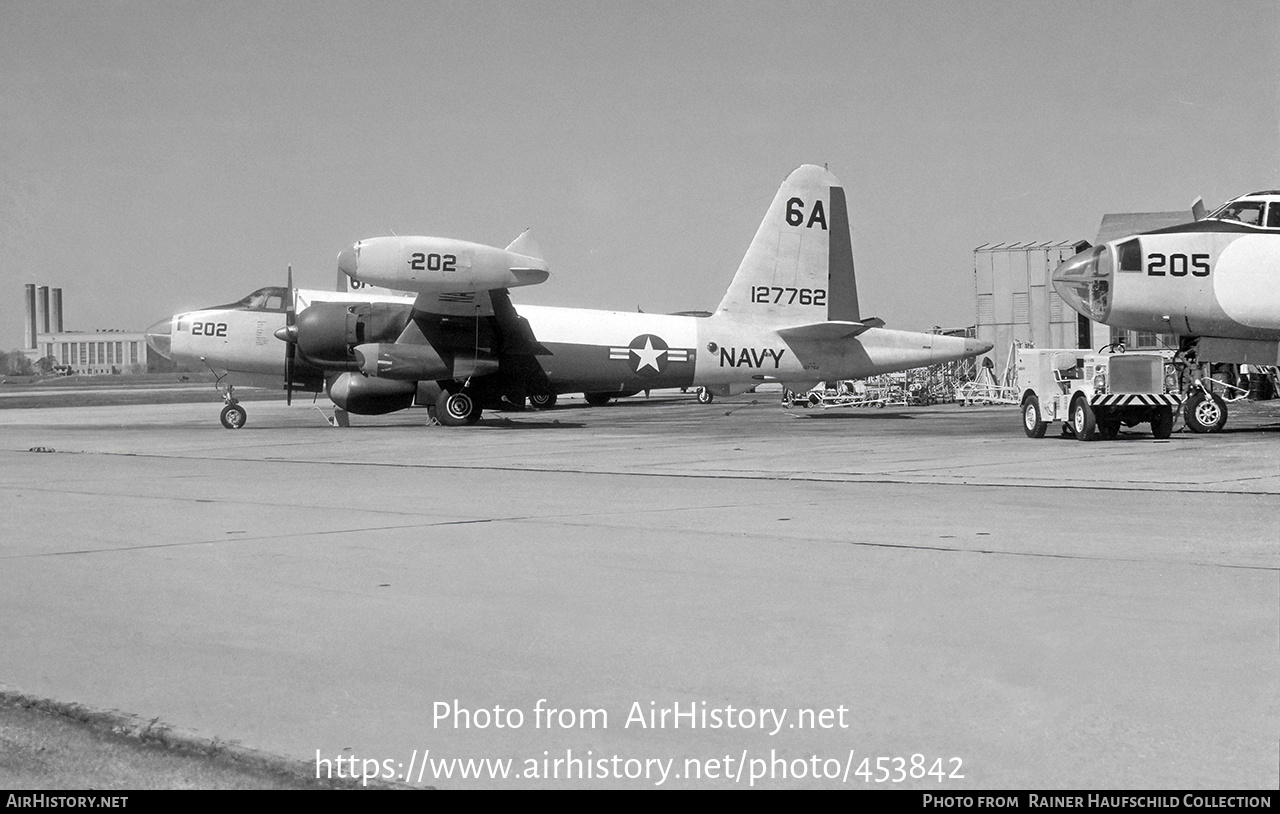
[(649, 355)]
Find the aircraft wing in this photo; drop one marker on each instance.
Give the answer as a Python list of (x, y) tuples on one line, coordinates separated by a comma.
[(455, 303), (828, 331), (466, 321)]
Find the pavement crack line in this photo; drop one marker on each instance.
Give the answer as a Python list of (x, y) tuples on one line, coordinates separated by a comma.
[(754, 475), (261, 538)]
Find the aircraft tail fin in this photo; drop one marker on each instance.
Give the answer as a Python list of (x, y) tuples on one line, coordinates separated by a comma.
[(799, 267), (526, 245)]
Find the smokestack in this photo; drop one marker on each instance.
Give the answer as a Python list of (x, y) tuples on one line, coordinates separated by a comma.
[(29, 337), (57, 310), (42, 312)]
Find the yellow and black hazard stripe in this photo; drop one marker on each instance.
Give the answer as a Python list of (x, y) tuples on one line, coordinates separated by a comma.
[(1136, 400)]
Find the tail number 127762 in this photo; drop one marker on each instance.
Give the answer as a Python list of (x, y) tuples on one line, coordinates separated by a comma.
[(788, 296)]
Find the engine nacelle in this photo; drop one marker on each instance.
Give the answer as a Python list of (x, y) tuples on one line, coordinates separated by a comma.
[(364, 396), (418, 363), (328, 332)]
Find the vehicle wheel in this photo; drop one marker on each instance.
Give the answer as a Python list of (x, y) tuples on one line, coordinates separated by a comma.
[(542, 400), (1082, 419), (597, 399), (1162, 424), (1206, 412), (234, 416), (705, 396), (1031, 423), (456, 409), (1109, 430)]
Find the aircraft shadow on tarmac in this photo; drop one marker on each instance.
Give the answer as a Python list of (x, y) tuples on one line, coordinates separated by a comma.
[(865, 415), (504, 423)]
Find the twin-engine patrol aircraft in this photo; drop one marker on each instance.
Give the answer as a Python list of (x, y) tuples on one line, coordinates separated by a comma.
[(458, 344), (1214, 282)]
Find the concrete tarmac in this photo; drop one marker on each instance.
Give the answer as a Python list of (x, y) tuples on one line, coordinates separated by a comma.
[(955, 604)]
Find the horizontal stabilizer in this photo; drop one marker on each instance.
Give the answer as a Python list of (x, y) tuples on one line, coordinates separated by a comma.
[(828, 331)]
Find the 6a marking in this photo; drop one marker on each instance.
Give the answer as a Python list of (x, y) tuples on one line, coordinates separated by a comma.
[(795, 214), (433, 262), (208, 329), (788, 296), (1177, 265)]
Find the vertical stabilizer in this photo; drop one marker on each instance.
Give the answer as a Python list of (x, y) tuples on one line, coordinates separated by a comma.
[(799, 267), (526, 245)]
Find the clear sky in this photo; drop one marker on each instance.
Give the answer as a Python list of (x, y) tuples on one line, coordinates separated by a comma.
[(158, 156)]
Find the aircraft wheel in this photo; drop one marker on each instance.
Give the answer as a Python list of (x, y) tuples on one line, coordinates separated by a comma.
[(1032, 424), (1082, 419), (456, 409), (542, 401), (233, 416), (1162, 424), (597, 399), (1110, 430), (1206, 412), (705, 396)]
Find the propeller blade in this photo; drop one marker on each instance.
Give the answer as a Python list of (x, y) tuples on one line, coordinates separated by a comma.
[(291, 345)]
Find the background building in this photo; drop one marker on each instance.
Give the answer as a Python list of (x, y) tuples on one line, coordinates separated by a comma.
[(1016, 303), (77, 352)]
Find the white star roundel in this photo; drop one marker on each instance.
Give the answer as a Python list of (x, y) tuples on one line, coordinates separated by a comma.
[(648, 355)]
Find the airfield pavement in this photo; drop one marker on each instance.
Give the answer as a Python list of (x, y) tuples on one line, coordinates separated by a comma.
[(1053, 614)]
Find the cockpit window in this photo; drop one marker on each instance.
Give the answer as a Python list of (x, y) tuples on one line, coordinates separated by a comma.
[(264, 299), (270, 298), (1246, 212), (1130, 255), (1273, 215)]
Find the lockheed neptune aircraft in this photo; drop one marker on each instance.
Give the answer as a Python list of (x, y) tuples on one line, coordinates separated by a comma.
[(1214, 282), (458, 344)]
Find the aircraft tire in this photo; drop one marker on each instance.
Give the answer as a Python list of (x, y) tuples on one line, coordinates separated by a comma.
[(597, 399), (1206, 412), (1162, 423), (1109, 430), (1032, 424), (542, 401), (1082, 419), (233, 416), (705, 396), (457, 409)]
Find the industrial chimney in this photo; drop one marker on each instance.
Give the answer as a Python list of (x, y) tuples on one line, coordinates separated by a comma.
[(57, 310), (29, 337), (42, 312)]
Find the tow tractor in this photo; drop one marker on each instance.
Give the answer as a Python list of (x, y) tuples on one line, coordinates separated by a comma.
[(1095, 393)]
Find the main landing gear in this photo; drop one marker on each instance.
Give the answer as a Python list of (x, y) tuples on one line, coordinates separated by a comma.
[(457, 409)]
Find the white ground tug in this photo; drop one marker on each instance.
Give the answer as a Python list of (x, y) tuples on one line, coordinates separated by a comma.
[(1095, 392)]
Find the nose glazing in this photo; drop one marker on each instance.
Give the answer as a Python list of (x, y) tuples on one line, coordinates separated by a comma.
[(158, 336)]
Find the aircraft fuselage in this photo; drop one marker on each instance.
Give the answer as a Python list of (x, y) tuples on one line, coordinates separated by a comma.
[(602, 351)]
